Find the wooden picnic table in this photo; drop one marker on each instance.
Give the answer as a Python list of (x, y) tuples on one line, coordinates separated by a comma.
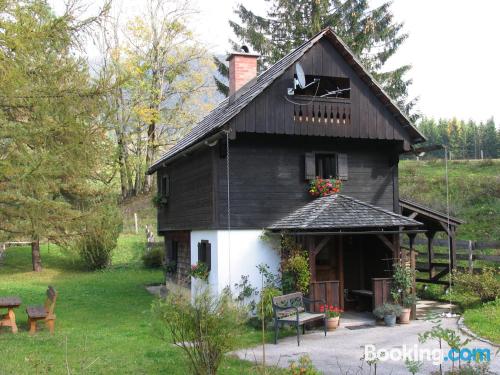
[(9, 319)]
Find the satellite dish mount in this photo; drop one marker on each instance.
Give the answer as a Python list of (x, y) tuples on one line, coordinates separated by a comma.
[(299, 81)]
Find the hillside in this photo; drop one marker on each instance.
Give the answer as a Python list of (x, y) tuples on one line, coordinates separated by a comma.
[(474, 195), (474, 192)]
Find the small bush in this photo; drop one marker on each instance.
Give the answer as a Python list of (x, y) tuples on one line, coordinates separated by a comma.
[(266, 299), (205, 330), (303, 366), (154, 258), (485, 285), (295, 271), (100, 235)]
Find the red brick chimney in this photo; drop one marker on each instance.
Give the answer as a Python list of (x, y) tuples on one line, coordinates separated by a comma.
[(242, 68)]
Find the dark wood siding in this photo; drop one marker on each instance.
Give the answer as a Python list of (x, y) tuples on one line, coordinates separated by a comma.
[(270, 112), (267, 175), (190, 202)]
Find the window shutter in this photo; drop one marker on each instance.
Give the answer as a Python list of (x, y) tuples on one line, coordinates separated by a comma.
[(201, 258), (342, 166), (208, 248), (310, 166)]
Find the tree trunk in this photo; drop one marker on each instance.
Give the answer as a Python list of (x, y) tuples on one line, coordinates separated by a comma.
[(35, 256), (150, 155)]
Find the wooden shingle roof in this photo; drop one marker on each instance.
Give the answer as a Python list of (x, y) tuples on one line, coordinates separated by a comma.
[(232, 105), (338, 212)]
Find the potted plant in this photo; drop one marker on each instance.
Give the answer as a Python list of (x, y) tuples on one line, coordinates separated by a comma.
[(388, 312), (321, 187), (401, 291), (332, 316), (408, 301), (199, 271)]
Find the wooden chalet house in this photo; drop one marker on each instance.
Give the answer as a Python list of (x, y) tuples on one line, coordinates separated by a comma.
[(259, 149)]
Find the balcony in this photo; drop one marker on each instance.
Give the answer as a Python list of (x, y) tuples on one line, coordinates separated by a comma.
[(335, 111)]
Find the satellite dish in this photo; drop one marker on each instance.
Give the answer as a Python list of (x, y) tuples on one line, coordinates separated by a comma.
[(301, 77)]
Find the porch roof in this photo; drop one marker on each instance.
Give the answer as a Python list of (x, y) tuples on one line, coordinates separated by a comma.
[(340, 211)]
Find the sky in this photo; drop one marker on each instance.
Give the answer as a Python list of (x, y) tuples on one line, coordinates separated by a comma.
[(453, 47)]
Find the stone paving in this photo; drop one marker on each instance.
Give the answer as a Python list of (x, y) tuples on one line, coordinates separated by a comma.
[(340, 352)]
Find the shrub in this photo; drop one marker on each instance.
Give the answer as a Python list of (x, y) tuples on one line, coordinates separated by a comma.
[(303, 366), (154, 258), (295, 272), (266, 298), (485, 285), (401, 282), (387, 309), (205, 329), (100, 235)]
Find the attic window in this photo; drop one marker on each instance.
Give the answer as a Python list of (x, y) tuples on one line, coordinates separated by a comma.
[(326, 85)]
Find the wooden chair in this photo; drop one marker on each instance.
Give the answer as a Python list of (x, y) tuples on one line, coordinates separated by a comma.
[(290, 309), (45, 313)]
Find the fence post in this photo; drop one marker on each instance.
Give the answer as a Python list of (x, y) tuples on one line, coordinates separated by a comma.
[(471, 258), (136, 223)]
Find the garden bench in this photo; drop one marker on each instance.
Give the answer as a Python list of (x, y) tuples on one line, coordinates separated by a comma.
[(290, 309), (45, 312)]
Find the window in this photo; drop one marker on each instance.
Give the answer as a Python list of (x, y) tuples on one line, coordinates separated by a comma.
[(204, 253), (326, 165), (340, 85), (165, 186)]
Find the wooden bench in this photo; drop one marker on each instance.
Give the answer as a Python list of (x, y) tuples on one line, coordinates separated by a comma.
[(290, 309), (45, 312)]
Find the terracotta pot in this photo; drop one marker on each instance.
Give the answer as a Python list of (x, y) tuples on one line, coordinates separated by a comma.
[(404, 318), (332, 323)]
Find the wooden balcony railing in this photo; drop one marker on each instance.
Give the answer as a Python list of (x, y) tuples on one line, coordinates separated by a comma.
[(322, 110)]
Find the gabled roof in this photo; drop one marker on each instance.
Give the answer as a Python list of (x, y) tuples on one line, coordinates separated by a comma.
[(427, 213), (231, 106), (339, 212)]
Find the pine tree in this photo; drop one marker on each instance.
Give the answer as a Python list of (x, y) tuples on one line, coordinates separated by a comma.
[(372, 34), (53, 148)]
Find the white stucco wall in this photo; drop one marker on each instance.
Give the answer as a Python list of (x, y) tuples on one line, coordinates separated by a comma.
[(235, 253)]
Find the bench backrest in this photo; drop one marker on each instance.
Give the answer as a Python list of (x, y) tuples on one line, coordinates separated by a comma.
[(50, 302), (290, 301)]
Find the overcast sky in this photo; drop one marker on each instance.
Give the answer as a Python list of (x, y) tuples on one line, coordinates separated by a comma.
[(454, 48)]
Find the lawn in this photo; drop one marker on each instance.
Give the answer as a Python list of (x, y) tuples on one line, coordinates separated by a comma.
[(485, 320), (104, 321)]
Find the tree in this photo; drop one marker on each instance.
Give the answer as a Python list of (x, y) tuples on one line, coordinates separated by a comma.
[(372, 34), (489, 139), (165, 75), (53, 147)]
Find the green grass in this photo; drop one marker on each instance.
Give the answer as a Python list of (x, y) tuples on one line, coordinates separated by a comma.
[(485, 320), (104, 321), (474, 192)]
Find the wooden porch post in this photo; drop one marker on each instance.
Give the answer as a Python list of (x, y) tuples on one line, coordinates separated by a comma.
[(411, 237), (312, 257), (453, 249), (341, 269), (430, 253)]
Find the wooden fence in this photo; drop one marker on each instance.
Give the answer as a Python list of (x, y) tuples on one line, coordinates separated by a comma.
[(468, 251)]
